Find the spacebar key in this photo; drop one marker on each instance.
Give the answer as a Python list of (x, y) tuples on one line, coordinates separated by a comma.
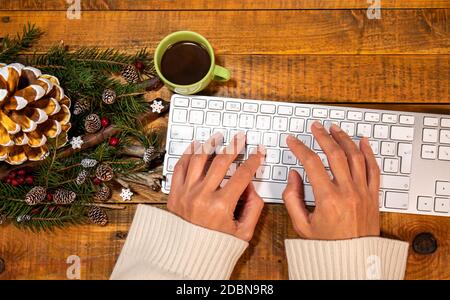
[(271, 190), (394, 182)]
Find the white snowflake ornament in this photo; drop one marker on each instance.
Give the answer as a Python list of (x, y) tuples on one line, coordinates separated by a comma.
[(126, 194), (76, 142), (157, 106)]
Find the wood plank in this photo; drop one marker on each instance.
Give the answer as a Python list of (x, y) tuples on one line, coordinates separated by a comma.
[(292, 32), (43, 256), (215, 5)]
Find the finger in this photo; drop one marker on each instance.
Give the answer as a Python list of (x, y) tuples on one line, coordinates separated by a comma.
[(222, 161), (373, 170), (198, 161), (181, 167), (355, 157), (244, 175), (318, 176), (335, 155), (294, 199), (251, 211)]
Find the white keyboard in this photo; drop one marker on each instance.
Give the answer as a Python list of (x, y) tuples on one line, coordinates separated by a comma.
[(412, 149)]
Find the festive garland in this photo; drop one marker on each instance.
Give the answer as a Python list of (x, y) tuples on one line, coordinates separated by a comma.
[(69, 179)]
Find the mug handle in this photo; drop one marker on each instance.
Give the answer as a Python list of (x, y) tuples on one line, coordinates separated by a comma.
[(221, 74)]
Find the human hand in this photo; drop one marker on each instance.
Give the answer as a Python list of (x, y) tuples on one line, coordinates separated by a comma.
[(346, 205), (197, 197)]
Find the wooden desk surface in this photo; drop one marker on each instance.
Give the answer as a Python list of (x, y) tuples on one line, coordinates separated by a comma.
[(310, 51)]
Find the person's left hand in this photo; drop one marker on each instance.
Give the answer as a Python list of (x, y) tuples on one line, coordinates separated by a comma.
[(196, 195)]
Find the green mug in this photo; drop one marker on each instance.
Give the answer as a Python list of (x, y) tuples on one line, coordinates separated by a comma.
[(215, 72)]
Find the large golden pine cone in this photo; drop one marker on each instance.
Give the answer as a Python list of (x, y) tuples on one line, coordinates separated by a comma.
[(33, 109)]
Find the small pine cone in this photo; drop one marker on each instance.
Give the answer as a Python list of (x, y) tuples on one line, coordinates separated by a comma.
[(81, 178), (92, 123), (23, 218), (109, 96), (97, 216), (36, 195), (88, 163), (130, 74), (104, 172), (148, 154), (103, 194), (62, 196), (2, 219), (80, 107)]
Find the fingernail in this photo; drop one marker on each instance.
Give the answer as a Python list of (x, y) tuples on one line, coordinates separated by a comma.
[(335, 128), (290, 137), (318, 125)]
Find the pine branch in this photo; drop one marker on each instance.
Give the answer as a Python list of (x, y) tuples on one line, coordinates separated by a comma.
[(10, 48)]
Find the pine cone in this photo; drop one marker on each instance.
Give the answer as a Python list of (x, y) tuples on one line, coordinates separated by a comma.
[(130, 74), (80, 106), (33, 109), (103, 194), (62, 196), (81, 178), (97, 216), (36, 195), (104, 172), (109, 96), (3, 219), (148, 154), (92, 123), (88, 163), (23, 218)]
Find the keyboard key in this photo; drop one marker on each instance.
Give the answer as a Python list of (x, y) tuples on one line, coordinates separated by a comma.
[(233, 106), (305, 139), (279, 173), (178, 132), (445, 122), (381, 131), (402, 133), (202, 133), (429, 152), (270, 139), (246, 121), (253, 137), (430, 121), (181, 102), (405, 153), (272, 156), (444, 137), (444, 153), (302, 111), (285, 110), (263, 172), (263, 122), (320, 113), (442, 205), (269, 190), (230, 119), (212, 118), (407, 120), (424, 203), (268, 109), (215, 104), (442, 188), (355, 115), (198, 103), (429, 135), (327, 124), (171, 162), (179, 115), (309, 124), (337, 114), (380, 199), (296, 125), (280, 123), (196, 117), (223, 131), (178, 148), (348, 128), (379, 162), (371, 117), (168, 181), (388, 149), (394, 182), (250, 107), (390, 165), (397, 200), (231, 169), (364, 130), (389, 118), (289, 158), (283, 138), (375, 145)]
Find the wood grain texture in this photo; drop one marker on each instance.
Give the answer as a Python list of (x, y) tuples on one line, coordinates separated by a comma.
[(214, 5), (249, 32)]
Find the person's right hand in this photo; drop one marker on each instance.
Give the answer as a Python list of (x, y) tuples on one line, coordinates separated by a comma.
[(347, 204)]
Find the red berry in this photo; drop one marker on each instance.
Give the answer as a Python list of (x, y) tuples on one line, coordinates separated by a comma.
[(8, 180), (49, 196), (21, 172), (139, 65), (12, 174), (14, 182), (97, 181), (105, 122), (114, 141), (20, 180), (29, 180)]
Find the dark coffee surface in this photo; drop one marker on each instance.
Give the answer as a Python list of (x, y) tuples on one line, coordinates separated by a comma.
[(185, 63)]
